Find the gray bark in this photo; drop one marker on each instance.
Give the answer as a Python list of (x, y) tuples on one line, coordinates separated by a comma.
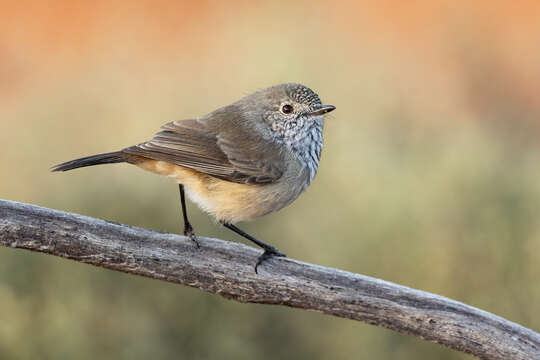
[(226, 268)]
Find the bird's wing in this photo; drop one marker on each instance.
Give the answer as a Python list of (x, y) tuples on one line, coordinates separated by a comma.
[(228, 156)]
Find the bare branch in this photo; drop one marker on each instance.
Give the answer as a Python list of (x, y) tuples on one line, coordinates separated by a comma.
[(226, 268)]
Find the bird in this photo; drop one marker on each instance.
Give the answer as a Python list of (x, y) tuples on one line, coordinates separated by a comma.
[(239, 162)]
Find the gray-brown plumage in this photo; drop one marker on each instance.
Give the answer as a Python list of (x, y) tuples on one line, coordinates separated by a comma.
[(242, 161)]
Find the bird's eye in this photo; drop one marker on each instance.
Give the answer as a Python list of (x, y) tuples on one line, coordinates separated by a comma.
[(287, 109)]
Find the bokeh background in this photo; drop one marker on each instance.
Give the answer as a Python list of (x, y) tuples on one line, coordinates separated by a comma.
[(429, 176)]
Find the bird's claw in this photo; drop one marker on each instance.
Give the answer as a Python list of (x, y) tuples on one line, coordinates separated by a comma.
[(188, 231), (268, 254)]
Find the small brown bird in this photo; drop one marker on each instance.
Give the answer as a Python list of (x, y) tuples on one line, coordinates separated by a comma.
[(242, 161)]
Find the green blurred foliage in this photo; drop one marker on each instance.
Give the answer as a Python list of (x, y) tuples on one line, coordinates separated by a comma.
[(433, 188)]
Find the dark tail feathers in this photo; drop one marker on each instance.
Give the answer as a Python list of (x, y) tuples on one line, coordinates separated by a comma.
[(108, 158)]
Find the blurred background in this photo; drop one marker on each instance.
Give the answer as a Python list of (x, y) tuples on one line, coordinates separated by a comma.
[(429, 176)]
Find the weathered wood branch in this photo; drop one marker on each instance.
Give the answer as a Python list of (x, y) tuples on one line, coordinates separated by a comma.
[(226, 268)]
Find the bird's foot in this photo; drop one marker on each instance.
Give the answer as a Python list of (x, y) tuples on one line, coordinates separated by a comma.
[(268, 253), (188, 231)]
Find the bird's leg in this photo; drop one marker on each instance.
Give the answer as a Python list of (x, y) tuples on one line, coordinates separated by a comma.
[(188, 229), (269, 250)]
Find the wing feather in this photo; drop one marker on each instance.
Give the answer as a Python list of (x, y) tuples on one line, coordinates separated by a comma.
[(195, 145)]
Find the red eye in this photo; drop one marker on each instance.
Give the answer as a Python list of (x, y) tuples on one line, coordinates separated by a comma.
[(287, 109)]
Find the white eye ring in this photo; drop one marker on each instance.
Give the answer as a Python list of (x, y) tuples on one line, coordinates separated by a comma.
[(287, 109)]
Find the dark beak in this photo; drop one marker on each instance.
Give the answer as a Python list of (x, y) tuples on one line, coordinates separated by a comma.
[(322, 109)]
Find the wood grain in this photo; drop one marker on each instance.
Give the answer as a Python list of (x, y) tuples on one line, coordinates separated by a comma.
[(226, 268)]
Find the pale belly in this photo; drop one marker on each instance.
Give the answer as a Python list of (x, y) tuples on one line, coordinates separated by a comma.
[(226, 201)]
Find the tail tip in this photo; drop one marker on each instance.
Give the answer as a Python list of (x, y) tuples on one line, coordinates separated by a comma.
[(55, 168), (62, 167), (107, 158)]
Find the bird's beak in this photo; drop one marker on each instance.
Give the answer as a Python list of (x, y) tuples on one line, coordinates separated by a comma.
[(322, 109)]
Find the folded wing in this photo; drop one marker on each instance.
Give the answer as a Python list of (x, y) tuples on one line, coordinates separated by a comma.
[(195, 145)]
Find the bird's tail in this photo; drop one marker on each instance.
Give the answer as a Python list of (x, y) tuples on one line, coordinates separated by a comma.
[(108, 158)]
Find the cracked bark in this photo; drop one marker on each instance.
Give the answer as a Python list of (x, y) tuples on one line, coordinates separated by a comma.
[(226, 268)]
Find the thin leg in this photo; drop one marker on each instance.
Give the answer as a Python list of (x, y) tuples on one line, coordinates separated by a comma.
[(188, 229), (269, 250)]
